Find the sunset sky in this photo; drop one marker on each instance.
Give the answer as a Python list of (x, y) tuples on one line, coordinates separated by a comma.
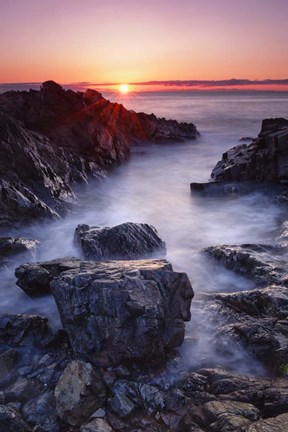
[(122, 41)]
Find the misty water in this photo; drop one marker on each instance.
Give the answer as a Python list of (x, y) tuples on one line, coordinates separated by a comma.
[(153, 187)]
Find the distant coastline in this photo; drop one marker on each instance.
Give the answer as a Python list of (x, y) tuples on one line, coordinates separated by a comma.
[(231, 85)]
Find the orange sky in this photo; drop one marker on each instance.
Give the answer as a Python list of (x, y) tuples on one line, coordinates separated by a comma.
[(130, 41)]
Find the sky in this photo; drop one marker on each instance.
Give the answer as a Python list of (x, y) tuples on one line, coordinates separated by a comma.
[(124, 41)]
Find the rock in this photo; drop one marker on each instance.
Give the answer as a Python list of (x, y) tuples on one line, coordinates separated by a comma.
[(282, 238), (141, 395), (35, 278), (96, 425), (53, 138), (121, 405), (253, 319), (265, 264), (11, 420), (117, 311), (41, 412), (10, 246), (7, 362), (18, 330), (20, 391), (268, 395), (126, 241), (264, 160), (224, 415), (78, 393), (277, 424), (224, 188)]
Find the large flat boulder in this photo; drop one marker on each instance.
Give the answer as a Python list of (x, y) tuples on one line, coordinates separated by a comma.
[(126, 241), (118, 311)]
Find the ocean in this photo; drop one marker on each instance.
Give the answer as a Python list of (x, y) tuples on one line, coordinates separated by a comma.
[(154, 187)]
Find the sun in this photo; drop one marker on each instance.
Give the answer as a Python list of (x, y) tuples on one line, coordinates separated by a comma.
[(124, 88)]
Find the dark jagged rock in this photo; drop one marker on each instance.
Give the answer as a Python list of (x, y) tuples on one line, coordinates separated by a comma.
[(264, 160), (224, 189), (126, 241), (41, 412), (268, 395), (11, 420), (118, 311), (78, 393), (17, 330), (255, 320), (53, 138), (265, 264), (16, 245), (35, 278)]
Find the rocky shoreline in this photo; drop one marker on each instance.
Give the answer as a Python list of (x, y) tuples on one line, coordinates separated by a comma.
[(114, 364), (53, 139)]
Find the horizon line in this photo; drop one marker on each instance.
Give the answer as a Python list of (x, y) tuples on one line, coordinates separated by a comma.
[(165, 84)]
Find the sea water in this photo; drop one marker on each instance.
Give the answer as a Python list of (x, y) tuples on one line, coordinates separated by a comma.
[(153, 187)]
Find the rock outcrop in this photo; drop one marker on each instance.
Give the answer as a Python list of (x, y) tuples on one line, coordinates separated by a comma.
[(53, 138), (121, 311), (264, 160), (35, 278), (265, 264), (126, 241), (15, 248)]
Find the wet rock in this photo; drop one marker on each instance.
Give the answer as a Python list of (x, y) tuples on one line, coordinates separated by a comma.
[(20, 391), (11, 246), (282, 238), (123, 310), (268, 395), (53, 138), (78, 393), (96, 425), (277, 424), (11, 420), (255, 320), (224, 415), (126, 241), (35, 278), (264, 263), (41, 412), (7, 362), (224, 188), (145, 396), (18, 330), (264, 160), (121, 405)]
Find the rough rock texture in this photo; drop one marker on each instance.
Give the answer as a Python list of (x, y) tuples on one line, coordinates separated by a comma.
[(123, 310), (35, 278), (255, 320), (96, 425), (78, 393), (264, 160), (11, 420), (52, 138), (126, 241), (265, 264), (10, 246), (22, 329)]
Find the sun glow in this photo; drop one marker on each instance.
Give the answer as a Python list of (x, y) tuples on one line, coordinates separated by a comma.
[(124, 88)]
